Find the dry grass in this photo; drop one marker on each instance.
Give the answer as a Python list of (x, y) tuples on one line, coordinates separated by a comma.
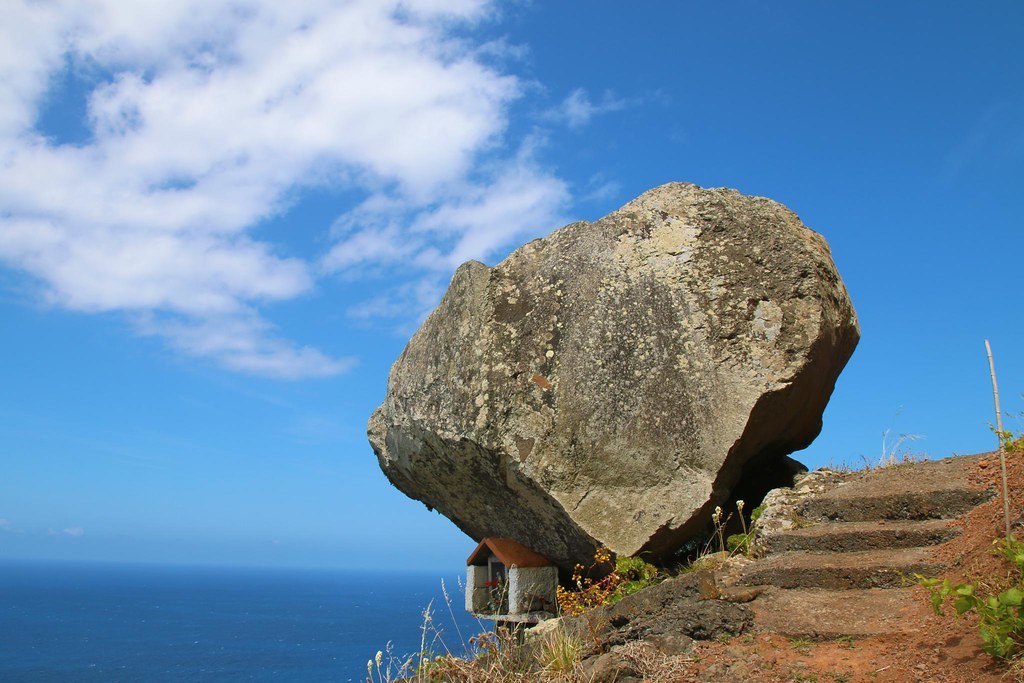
[(503, 658), (560, 653), (1015, 672), (499, 656), (654, 666)]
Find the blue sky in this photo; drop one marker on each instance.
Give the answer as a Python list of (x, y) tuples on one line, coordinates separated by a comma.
[(220, 222)]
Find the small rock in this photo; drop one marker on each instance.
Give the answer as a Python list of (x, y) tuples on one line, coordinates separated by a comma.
[(609, 667), (740, 593), (742, 671), (671, 644)]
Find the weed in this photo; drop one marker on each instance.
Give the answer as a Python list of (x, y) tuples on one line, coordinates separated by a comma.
[(635, 574), (801, 645), (560, 652), (627, 576), (1001, 614), (494, 656), (420, 667), (376, 672), (744, 543), (846, 642), (840, 467), (716, 517), (799, 521), (1015, 671), (1011, 443), (891, 450)]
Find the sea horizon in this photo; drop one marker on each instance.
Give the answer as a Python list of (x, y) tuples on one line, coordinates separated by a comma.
[(117, 621)]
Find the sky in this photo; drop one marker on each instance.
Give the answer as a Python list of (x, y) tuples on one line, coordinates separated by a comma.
[(220, 222)]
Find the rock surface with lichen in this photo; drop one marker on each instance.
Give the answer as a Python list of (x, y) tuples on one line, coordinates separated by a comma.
[(615, 381)]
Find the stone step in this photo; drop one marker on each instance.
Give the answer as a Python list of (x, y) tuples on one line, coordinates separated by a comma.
[(821, 614), (940, 489), (936, 504), (840, 571), (851, 536)]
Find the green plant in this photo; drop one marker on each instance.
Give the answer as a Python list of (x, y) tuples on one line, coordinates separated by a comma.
[(744, 542), (738, 543), (634, 574), (1001, 624), (846, 642), (1011, 443), (627, 576)]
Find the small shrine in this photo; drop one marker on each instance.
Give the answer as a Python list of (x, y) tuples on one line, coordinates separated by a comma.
[(506, 581)]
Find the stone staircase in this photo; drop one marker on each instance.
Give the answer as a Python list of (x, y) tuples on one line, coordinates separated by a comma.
[(836, 552)]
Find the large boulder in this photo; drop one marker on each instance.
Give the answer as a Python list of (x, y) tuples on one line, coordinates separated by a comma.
[(615, 381)]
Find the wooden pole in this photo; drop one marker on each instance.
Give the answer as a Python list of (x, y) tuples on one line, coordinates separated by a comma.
[(999, 434)]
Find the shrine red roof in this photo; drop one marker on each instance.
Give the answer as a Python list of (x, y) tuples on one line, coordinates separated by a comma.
[(509, 552)]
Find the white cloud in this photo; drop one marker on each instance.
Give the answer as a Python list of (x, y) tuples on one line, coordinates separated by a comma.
[(519, 204), (243, 342), (515, 199), (519, 201), (5, 524), (599, 189), (72, 532), (409, 302), (206, 118), (577, 109)]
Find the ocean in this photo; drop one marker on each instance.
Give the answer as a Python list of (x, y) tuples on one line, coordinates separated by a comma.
[(99, 622)]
